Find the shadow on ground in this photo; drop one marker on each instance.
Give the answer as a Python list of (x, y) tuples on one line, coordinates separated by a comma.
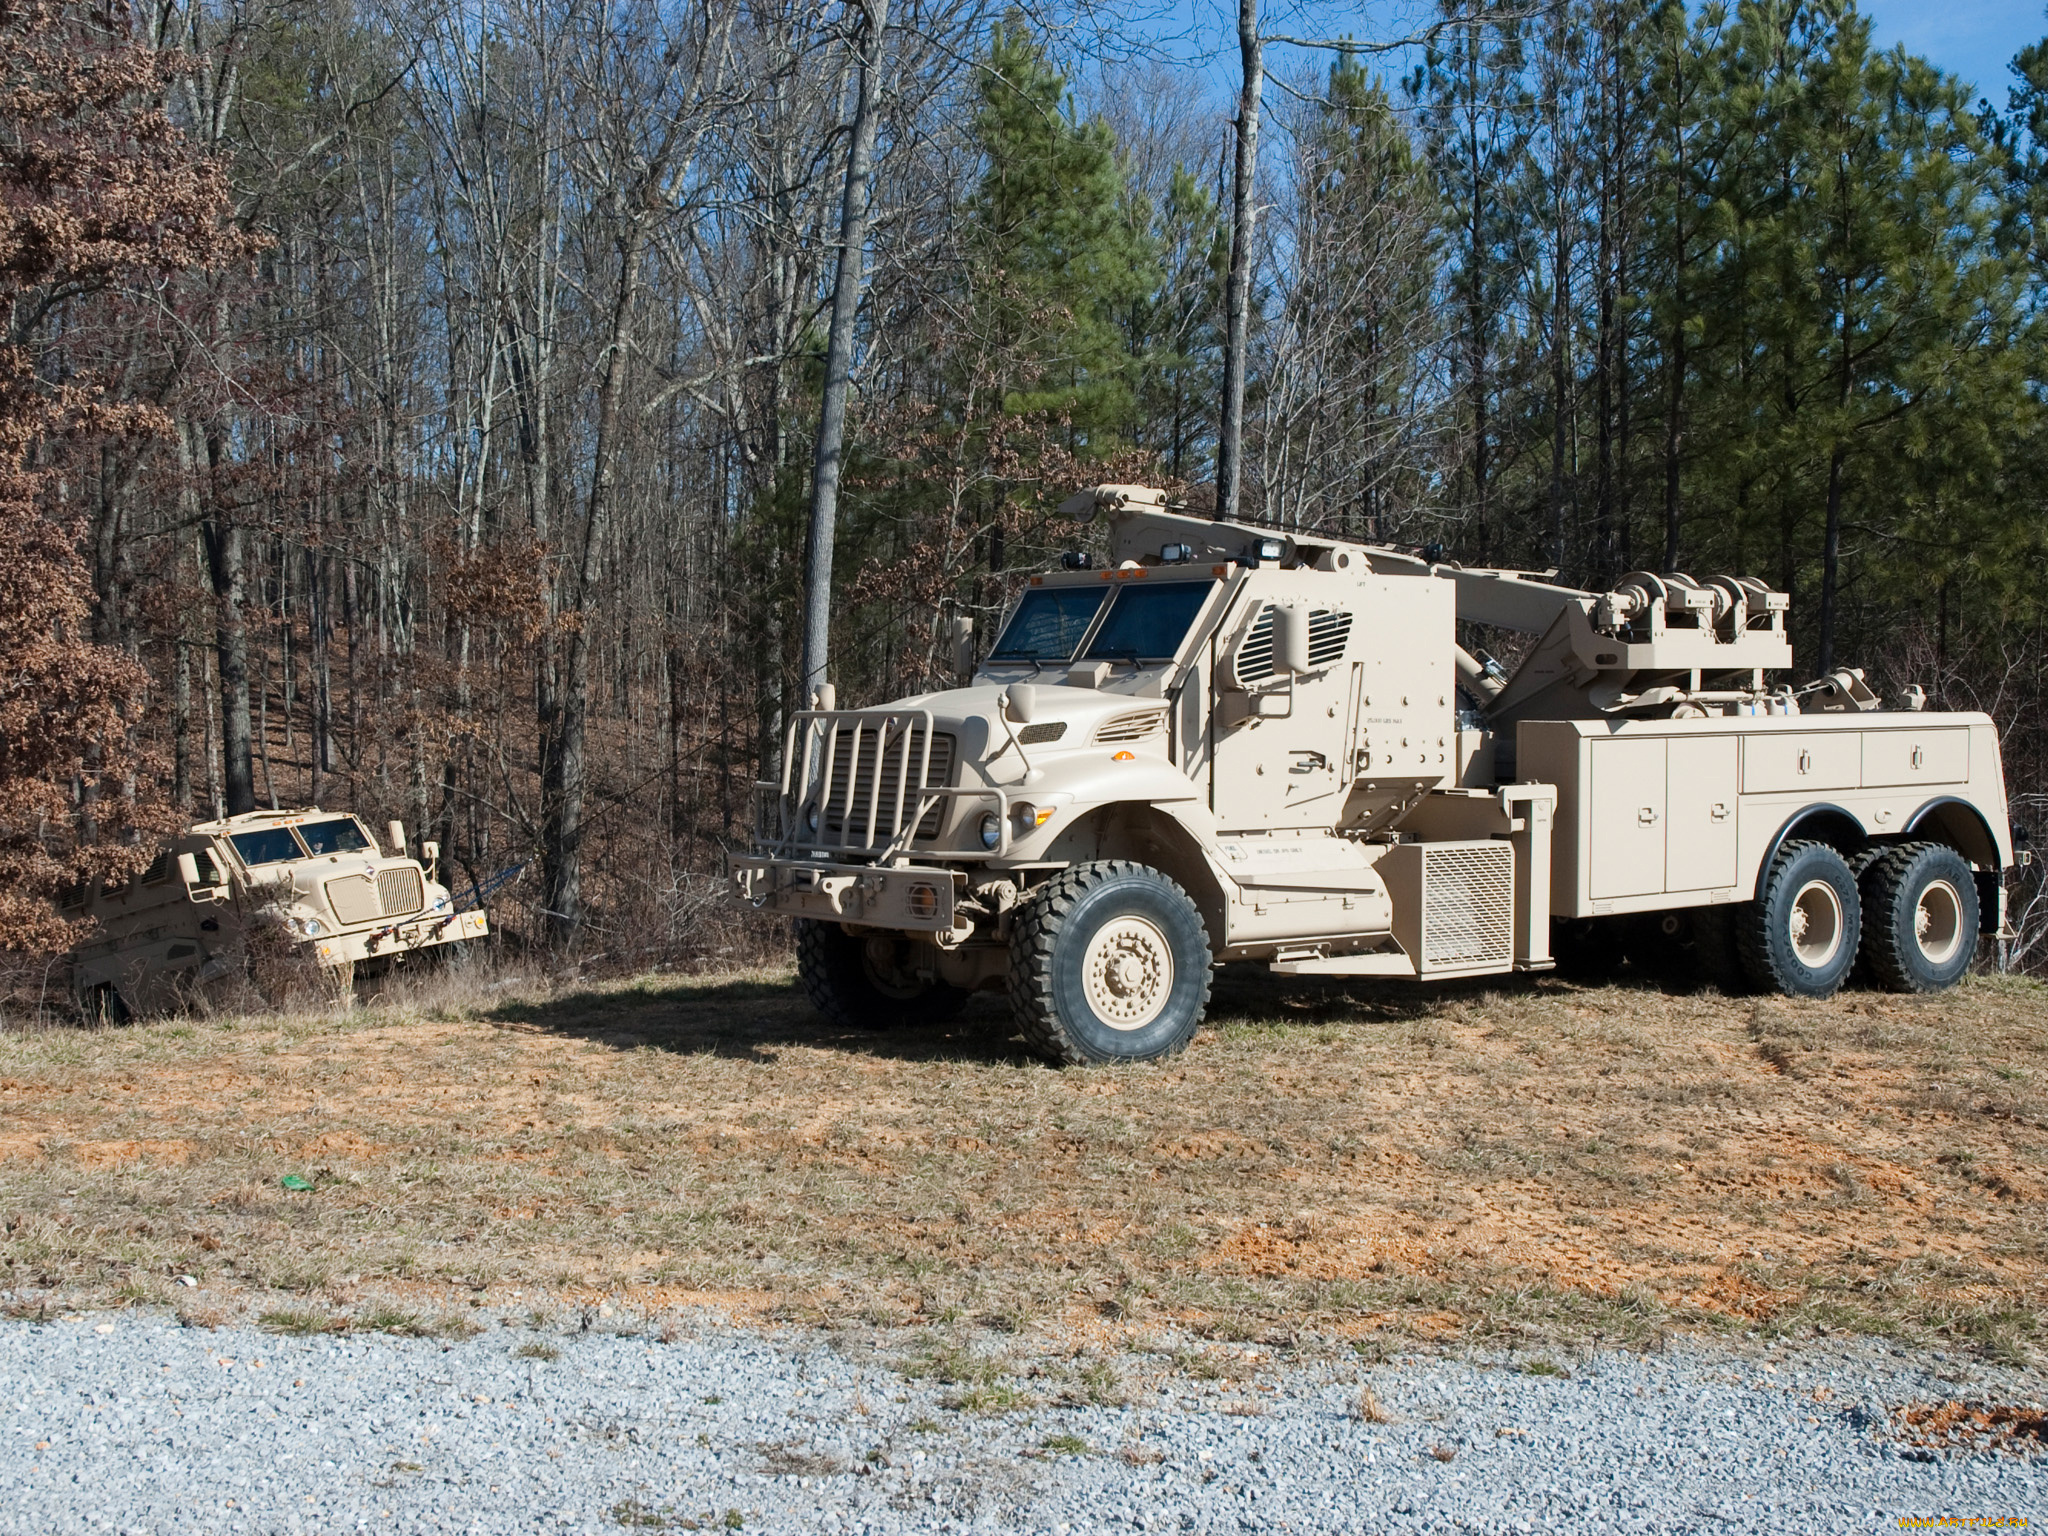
[(753, 1019)]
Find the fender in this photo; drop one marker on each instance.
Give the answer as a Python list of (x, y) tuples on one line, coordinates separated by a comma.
[(1833, 825), (1965, 827)]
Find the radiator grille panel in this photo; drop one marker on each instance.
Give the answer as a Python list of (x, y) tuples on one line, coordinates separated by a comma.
[(857, 789), (1468, 906), (401, 891)]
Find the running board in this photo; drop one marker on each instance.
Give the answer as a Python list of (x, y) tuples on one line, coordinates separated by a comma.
[(1390, 962)]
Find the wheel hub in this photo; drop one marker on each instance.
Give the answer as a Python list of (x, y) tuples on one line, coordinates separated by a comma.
[(1127, 972), (1815, 924), (1938, 922)]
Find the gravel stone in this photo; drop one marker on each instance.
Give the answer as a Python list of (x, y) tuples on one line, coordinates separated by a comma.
[(152, 1427)]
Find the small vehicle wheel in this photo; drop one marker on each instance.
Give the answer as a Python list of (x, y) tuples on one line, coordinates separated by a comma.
[(1922, 917), (868, 983), (1799, 935), (1109, 961)]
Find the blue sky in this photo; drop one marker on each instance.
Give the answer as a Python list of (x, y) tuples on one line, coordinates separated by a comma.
[(1971, 38)]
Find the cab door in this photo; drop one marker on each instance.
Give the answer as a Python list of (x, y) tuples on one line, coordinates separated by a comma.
[(1277, 739)]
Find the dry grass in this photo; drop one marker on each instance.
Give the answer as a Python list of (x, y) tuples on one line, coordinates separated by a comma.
[(1526, 1163)]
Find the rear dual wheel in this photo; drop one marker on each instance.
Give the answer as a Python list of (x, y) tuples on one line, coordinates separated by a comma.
[(1921, 921), (1910, 911), (1800, 935)]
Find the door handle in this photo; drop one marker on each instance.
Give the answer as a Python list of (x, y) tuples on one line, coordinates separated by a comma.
[(1719, 812), (1647, 816)]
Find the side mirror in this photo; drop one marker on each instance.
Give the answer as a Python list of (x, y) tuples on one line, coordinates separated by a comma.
[(396, 829), (430, 855), (960, 642), (188, 870), (1020, 703), (826, 699), (1290, 639)]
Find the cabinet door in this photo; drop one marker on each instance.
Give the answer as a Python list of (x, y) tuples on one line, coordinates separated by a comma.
[(1939, 756), (1699, 845), (1626, 818), (1777, 760)]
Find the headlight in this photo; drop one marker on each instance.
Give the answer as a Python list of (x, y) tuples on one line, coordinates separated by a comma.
[(991, 831), (1030, 818), (811, 819), (313, 928)]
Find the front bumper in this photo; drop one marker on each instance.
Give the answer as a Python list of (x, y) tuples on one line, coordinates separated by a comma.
[(907, 897), (401, 938)]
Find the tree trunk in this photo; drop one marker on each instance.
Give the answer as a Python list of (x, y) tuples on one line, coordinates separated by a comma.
[(564, 728), (224, 563), (846, 291), (1237, 290)]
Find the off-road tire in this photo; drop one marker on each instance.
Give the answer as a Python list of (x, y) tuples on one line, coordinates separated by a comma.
[(1772, 957), (1902, 886), (1051, 935), (833, 967)]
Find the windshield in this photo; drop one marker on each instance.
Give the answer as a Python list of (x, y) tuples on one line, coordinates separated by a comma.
[(1149, 623), (341, 835), (273, 845), (1049, 624)]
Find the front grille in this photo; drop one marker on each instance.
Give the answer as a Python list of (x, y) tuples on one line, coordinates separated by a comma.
[(401, 891), (1468, 905), (873, 779), (1132, 727), (353, 900)]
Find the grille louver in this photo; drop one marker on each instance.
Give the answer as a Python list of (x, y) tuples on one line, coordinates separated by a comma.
[(1132, 727), (1328, 633)]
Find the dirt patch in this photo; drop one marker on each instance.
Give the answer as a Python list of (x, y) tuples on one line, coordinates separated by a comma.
[(1975, 1426), (1346, 1158)]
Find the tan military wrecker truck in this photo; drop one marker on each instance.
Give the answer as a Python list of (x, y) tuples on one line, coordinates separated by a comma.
[(315, 882), (1234, 744)]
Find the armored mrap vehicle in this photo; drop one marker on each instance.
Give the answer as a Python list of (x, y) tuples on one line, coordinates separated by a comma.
[(313, 882), (1235, 744)]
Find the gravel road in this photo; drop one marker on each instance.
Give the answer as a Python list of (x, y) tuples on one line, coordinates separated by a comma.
[(128, 1422)]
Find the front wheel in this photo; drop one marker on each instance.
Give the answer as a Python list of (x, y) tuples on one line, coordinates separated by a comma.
[(869, 983), (1921, 919), (1799, 935), (1109, 961)]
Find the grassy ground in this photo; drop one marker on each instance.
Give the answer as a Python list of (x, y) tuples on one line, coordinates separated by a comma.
[(1530, 1162)]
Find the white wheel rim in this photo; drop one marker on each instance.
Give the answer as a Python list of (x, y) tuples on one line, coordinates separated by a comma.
[(1127, 973), (1938, 922), (1816, 924)]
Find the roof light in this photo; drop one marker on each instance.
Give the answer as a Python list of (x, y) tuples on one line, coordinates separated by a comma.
[(1176, 554), (1076, 560)]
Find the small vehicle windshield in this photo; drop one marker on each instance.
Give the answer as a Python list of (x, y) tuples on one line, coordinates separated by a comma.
[(271, 845), (1149, 623), (340, 835), (1049, 624)]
